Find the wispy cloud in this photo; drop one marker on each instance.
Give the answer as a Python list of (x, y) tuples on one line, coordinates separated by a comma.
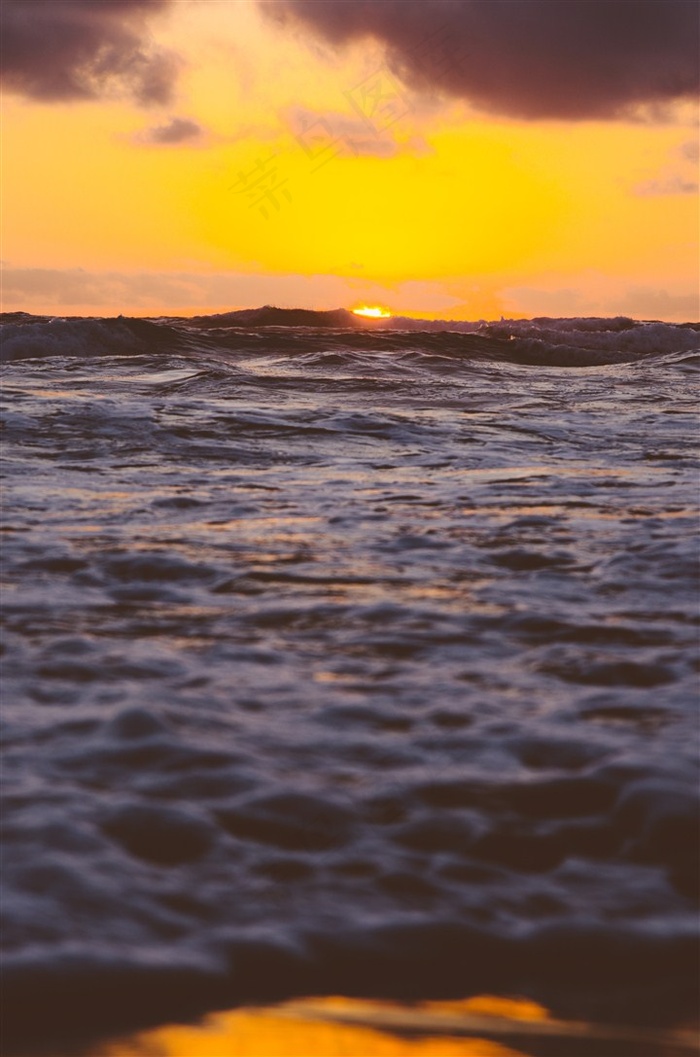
[(177, 132), (670, 185), (329, 133), (75, 291), (690, 151), (78, 291), (678, 176), (647, 302), (596, 294)]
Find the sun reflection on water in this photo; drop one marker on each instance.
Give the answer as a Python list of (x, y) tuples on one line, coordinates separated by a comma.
[(481, 1026), (325, 1028)]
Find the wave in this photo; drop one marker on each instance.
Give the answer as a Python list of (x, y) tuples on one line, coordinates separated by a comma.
[(269, 316), (619, 335), (39, 337), (544, 342), (348, 659)]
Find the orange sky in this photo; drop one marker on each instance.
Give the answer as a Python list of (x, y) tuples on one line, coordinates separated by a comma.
[(290, 186)]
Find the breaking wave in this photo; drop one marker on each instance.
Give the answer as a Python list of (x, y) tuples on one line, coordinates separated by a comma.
[(565, 343)]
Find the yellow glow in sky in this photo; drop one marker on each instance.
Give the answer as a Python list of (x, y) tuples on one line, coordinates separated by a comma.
[(291, 193)]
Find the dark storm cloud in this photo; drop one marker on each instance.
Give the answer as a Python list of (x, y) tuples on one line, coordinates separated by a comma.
[(527, 58), (56, 50)]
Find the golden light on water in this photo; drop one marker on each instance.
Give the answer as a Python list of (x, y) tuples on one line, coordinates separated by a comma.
[(332, 1027), (372, 312), (482, 1026)]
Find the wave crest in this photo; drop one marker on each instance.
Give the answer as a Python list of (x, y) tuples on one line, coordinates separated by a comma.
[(291, 332)]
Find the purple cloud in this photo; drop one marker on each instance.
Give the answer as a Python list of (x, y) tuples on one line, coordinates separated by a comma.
[(61, 50), (526, 58), (329, 134), (177, 131), (690, 151), (670, 185)]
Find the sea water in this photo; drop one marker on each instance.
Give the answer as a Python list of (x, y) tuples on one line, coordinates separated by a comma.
[(348, 661)]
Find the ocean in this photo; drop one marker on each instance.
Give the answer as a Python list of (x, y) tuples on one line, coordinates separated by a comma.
[(347, 659)]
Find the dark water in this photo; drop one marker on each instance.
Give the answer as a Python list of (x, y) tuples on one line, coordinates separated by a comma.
[(348, 662)]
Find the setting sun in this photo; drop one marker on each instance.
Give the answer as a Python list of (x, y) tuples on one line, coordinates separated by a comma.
[(373, 312)]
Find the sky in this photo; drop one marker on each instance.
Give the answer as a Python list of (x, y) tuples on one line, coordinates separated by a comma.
[(459, 159)]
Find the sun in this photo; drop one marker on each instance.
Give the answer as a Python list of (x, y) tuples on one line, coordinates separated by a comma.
[(372, 312)]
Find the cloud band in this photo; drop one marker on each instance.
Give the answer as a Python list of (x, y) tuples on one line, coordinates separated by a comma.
[(567, 59)]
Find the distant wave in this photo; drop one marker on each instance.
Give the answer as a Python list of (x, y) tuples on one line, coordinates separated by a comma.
[(269, 316), (38, 337), (538, 342)]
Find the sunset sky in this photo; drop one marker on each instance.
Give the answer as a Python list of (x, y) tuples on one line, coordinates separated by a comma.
[(456, 158)]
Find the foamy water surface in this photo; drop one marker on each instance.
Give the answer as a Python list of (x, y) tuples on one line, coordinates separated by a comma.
[(348, 662)]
